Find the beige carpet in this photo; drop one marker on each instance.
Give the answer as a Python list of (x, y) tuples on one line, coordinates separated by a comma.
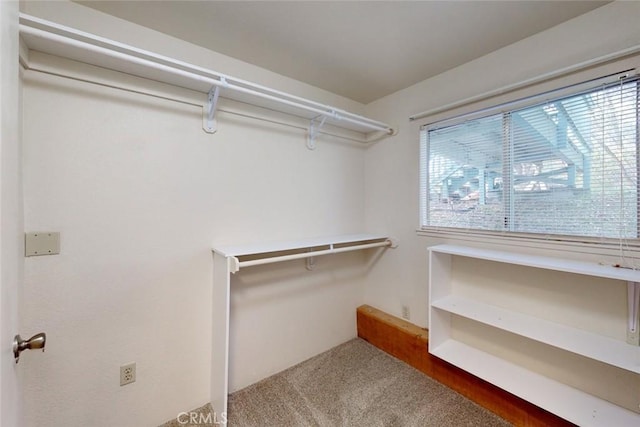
[(354, 385), (201, 418)]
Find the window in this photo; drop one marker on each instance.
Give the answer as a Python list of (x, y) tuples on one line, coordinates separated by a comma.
[(567, 166)]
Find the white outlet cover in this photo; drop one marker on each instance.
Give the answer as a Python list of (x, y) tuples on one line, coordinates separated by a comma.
[(42, 243), (127, 373)]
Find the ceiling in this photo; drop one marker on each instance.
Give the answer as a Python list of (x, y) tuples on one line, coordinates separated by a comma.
[(362, 50)]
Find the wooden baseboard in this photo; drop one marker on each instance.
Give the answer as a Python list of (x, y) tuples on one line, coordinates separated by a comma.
[(408, 343)]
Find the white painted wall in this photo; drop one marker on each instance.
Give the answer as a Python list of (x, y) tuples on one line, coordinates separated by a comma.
[(392, 167), (140, 193), (11, 247)]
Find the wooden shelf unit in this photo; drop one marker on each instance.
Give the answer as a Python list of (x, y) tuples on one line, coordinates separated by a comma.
[(567, 402)]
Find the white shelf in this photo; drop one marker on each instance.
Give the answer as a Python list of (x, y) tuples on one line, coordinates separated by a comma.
[(56, 39), (266, 247), (572, 404), (225, 263), (594, 346), (565, 401), (547, 263)]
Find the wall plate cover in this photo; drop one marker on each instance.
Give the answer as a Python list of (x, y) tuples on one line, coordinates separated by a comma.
[(42, 243)]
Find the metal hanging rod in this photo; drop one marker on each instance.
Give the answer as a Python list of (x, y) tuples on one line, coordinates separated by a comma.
[(266, 252), (40, 34), (331, 250), (195, 104), (574, 89), (534, 80), (310, 254)]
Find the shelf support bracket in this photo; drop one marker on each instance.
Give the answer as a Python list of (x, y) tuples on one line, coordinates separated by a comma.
[(314, 130), (311, 261), (234, 264), (209, 122), (633, 301)]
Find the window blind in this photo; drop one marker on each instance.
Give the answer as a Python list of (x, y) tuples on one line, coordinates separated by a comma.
[(565, 166)]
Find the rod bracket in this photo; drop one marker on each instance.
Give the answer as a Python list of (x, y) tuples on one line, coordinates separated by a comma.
[(311, 261), (209, 122), (233, 264), (314, 130), (633, 301)]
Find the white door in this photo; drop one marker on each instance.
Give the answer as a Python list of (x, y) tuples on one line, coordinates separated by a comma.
[(11, 215)]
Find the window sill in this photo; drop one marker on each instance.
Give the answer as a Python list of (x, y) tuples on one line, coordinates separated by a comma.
[(626, 252)]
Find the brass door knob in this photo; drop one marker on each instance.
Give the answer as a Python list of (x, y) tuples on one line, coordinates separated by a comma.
[(35, 342)]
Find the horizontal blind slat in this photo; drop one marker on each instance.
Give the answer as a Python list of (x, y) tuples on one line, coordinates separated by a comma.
[(572, 165)]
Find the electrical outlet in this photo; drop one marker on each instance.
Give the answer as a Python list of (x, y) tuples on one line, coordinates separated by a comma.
[(127, 373), (405, 312)]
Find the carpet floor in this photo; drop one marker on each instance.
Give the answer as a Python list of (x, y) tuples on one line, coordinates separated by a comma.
[(354, 385)]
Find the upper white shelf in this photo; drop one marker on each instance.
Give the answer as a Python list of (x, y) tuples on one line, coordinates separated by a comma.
[(52, 38), (548, 263)]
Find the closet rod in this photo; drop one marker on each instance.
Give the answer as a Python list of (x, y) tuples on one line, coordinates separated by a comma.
[(193, 104), (240, 264), (527, 82), (151, 60)]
